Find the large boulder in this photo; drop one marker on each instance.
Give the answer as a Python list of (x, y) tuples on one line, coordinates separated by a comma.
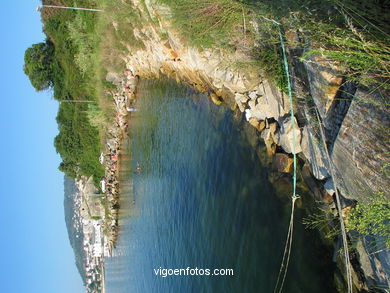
[(285, 136), (283, 163), (267, 102)]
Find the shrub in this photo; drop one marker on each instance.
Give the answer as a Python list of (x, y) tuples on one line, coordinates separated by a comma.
[(371, 218)]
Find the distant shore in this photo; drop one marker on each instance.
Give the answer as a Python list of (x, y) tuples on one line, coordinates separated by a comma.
[(124, 97)]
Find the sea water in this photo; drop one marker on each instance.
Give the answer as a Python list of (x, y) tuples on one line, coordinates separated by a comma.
[(203, 200)]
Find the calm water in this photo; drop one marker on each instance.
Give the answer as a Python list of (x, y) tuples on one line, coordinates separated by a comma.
[(203, 200)]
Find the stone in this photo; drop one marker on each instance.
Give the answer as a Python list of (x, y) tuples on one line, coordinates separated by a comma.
[(286, 138), (271, 102), (132, 82), (252, 95), (257, 111), (311, 183), (252, 104), (216, 100), (324, 81), (241, 106), (329, 187), (328, 197), (273, 127), (268, 135), (259, 125), (283, 163), (241, 98), (315, 154), (113, 78), (361, 150), (254, 122)]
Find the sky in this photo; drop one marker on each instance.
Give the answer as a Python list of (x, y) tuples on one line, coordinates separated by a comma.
[(35, 252)]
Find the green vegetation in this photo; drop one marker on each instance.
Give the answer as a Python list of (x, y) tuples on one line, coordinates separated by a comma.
[(64, 64), (80, 49), (324, 221), (366, 218), (353, 33), (207, 23), (82, 46), (38, 65), (371, 218)]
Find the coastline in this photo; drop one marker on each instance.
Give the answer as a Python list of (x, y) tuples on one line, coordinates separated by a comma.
[(124, 98), (104, 225)]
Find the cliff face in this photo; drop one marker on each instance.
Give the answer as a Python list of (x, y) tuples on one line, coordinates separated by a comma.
[(356, 120), (361, 149)]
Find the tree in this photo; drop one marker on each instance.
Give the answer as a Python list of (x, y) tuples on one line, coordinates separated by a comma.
[(38, 65)]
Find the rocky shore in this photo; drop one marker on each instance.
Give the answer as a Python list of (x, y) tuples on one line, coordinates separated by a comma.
[(99, 209), (124, 103), (357, 147), (123, 98)]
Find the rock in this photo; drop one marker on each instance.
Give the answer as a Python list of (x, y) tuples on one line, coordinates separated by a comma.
[(241, 106), (329, 187), (311, 182), (324, 80), (252, 95), (273, 127), (285, 136), (113, 77), (252, 104), (132, 82), (270, 102), (361, 150), (268, 135), (216, 100), (315, 154), (256, 110), (241, 98), (374, 261), (283, 163), (328, 197), (282, 184), (259, 125), (254, 122)]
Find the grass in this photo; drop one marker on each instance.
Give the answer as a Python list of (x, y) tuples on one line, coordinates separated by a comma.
[(207, 23), (351, 33), (88, 45), (371, 218)]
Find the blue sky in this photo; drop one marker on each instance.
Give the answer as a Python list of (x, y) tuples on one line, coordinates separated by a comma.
[(35, 252)]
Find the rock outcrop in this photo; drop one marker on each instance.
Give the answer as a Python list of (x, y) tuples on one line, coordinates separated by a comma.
[(361, 151)]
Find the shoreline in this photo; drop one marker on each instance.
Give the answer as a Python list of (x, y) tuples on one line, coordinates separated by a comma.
[(124, 99)]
